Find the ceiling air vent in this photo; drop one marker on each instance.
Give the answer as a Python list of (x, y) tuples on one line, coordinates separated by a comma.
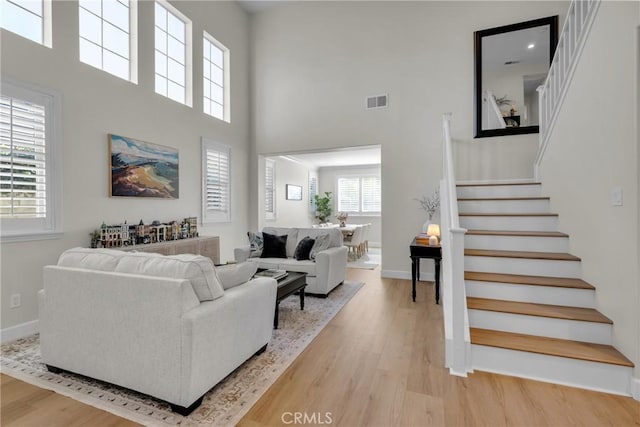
[(378, 101)]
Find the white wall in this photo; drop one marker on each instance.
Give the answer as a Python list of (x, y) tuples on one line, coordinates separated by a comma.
[(509, 81), (314, 63), (95, 104), (594, 148), (328, 181), (291, 213)]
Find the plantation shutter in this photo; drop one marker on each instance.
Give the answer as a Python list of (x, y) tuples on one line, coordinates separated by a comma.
[(216, 182), (23, 179), (269, 188), (349, 194), (313, 190), (371, 194)]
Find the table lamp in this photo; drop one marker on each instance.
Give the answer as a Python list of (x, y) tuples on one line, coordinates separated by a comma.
[(433, 231)]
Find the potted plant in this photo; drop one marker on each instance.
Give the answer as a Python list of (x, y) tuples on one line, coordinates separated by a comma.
[(323, 207), (429, 205)]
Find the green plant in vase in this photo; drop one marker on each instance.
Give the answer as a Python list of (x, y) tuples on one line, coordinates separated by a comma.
[(323, 207)]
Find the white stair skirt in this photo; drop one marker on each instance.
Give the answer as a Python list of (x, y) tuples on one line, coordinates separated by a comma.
[(525, 266), (559, 370), (516, 223), (598, 333), (569, 297), (486, 191), (504, 206), (516, 243)]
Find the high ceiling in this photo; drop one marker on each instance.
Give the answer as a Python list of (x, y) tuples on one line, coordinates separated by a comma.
[(369, 155)]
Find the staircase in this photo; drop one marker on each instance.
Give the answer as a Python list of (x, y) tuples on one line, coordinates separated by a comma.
[(530, 314)]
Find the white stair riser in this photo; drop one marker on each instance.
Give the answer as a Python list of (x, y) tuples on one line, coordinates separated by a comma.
[(569, 297), (504, 206), (559, 370), (516, 243), (524, 266), (598, 333), (510, 223), (487, 191)]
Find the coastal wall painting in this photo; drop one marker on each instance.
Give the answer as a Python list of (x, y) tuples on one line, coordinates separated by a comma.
[(142, 169)]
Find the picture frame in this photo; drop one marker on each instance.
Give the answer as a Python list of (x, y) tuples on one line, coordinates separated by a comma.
[(142, 169), (294, 192)]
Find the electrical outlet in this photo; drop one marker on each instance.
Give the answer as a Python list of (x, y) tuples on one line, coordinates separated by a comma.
[(15, 301)]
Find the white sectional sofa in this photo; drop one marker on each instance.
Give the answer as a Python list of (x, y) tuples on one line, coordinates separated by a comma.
[(325, 273), (161, 325)]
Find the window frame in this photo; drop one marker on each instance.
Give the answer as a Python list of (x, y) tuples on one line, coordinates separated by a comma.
[(270, 215), (226, 77), (51, 226), (211, 215), (188, 52), (132, 38), (360, 177), (46, 24)]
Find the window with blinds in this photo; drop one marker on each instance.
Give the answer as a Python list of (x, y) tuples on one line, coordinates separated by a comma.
[(23, 166), (270, 189), (313, 191), (30, 163), (359, 194), (216, 185)]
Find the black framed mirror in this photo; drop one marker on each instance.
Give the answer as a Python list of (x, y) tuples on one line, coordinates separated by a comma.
[(510, 63)]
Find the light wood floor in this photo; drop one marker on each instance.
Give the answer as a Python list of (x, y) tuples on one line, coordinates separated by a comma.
[(379, 362)]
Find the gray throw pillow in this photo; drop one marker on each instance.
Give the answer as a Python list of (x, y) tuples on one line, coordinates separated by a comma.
[(257, 244), (322, 243), (236, 274)]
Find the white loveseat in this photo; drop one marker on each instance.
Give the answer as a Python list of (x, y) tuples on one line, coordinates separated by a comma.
[(325, 273), (163, 326)]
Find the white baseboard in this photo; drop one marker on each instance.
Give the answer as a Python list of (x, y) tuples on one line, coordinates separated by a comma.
[(495, 181), (635, 388), (398, 274), (22, 330)]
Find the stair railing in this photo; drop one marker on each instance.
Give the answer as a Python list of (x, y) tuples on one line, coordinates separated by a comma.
[(454, 300), (552, 92), (493, 115)]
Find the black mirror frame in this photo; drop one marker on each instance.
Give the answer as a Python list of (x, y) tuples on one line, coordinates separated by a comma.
[(552, 21)]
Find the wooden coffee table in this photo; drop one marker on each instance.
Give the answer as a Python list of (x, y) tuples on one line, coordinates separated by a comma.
[(292, 282)]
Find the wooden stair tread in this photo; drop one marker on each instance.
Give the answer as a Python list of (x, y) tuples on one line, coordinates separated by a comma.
[(540, 310), (549, 346), (516, 233), (518, 279), (506, 214), (556, 256), (476, 199), (497, 184)]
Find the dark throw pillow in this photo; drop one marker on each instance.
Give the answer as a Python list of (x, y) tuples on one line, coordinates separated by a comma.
[(274, 246), (304, 248)]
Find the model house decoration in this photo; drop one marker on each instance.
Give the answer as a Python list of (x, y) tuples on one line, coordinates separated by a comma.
[(118, 235)]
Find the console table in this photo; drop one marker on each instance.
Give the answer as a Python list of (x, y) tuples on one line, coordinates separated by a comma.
[(418, 251), (208, 246)]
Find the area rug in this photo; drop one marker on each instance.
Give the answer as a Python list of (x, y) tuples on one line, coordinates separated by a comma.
[(368, 261), (223, 405)]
